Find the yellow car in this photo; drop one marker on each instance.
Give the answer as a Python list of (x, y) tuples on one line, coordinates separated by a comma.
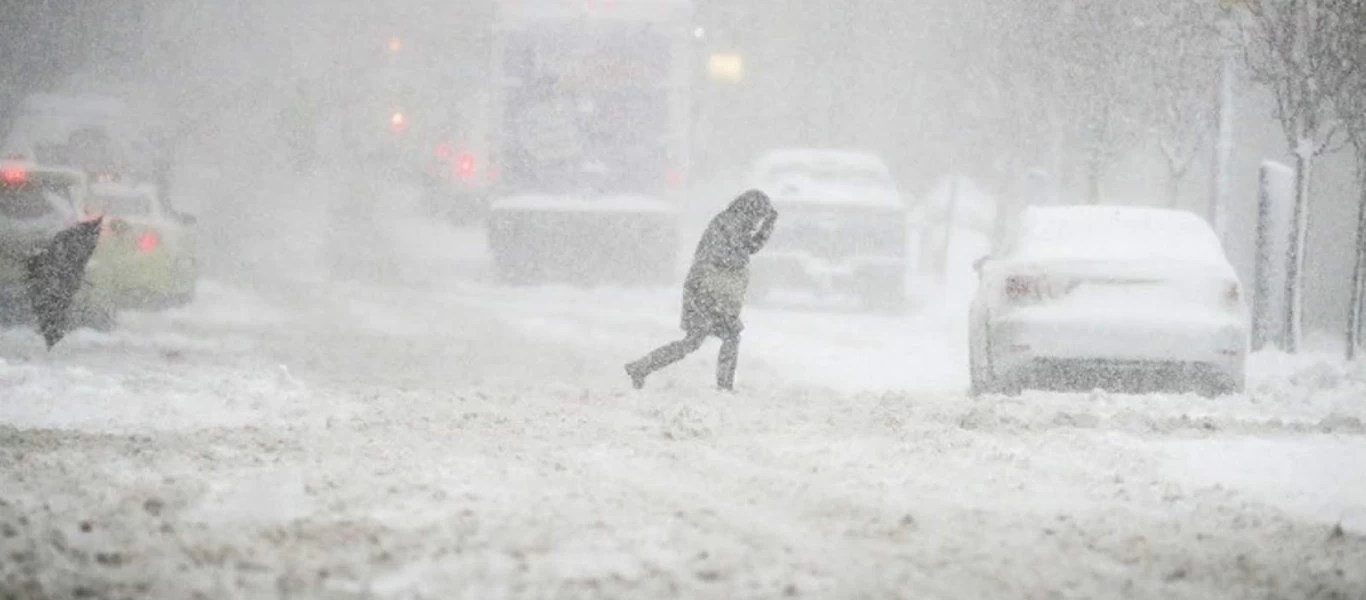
[(147, 250), (35, 204)]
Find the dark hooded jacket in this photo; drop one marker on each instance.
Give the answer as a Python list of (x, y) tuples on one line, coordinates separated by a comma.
[(714, 291)]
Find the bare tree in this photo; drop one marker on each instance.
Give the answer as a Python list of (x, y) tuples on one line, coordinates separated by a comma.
[(1294, 48), (1104, 47), (1350, 109), (1182, 67)]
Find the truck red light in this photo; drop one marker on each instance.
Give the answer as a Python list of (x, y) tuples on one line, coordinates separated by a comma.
[(466, 166)]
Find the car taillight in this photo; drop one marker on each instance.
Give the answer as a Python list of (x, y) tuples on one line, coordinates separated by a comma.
[(1020, 288), (466, 167), (148, 242), (398, 121), (443, 152), (14, 176)]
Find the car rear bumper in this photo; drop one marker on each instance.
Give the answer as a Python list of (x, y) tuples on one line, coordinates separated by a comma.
[(133, 280), (1072, 353)]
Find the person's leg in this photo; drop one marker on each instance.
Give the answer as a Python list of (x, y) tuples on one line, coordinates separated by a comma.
[(727, 362), (663, 356)]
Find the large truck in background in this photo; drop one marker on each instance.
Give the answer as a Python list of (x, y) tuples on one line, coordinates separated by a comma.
[(588, 116)]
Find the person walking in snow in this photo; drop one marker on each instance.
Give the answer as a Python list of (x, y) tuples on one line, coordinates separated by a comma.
[(714, 290)]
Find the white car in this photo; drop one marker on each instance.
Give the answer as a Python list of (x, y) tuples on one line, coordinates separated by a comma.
[(842, 230), (1083, 297)]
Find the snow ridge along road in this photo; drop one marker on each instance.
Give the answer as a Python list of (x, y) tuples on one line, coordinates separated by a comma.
[(481, 443)]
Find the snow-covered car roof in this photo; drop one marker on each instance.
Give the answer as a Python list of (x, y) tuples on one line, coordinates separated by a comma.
[(1124, 233), (830, 177)]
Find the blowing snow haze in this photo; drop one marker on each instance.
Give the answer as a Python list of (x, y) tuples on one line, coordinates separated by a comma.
[(1098, 95), (369, 275)]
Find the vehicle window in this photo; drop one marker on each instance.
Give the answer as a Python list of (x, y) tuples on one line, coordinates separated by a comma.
[(567, 119), (26, 202), (125, 206)]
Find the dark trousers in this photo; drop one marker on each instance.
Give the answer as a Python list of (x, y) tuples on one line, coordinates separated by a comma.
[(673, 352)]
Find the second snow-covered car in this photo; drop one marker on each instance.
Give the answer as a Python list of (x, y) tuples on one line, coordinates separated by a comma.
[(842, 235), (148, 254), (1108, 297)]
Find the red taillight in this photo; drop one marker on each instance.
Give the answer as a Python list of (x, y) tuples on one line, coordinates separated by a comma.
[(443, 152), (675, 177), (466, 167), (148, 242), (14, 176), (398, 121), (1020, 288)]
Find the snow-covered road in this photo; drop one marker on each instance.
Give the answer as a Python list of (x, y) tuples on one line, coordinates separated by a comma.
[(444, 437), (482, 443)]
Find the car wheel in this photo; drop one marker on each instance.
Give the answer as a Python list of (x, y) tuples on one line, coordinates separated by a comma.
[(186, 295)]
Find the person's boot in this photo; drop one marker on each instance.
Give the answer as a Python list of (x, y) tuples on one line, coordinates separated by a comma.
[(636, 374)]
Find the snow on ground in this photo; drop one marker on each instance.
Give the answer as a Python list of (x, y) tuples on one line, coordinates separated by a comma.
[(447, 437)]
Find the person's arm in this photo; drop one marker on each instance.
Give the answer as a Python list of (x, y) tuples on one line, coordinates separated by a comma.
[(760, 238)]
